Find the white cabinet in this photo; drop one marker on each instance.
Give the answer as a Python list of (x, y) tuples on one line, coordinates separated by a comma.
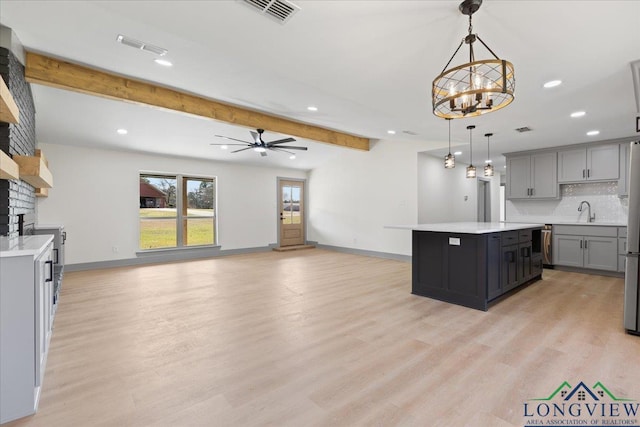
[(593, 247), (532, 176), (593, 163), (26, 308)]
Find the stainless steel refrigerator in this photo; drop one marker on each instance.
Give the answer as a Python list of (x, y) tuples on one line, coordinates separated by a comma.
[(632, 277)]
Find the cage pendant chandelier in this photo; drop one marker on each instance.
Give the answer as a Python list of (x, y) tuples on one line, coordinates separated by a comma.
[(474, 88)]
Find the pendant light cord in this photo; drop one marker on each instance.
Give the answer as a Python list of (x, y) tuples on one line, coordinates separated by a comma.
[(449, 120), (471, 146)]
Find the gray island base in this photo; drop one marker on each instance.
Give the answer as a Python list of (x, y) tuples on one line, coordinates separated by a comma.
[(474, 264)]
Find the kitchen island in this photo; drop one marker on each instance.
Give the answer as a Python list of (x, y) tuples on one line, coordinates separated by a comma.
[(474, 263)]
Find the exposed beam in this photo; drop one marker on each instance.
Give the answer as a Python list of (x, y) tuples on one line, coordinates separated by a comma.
[(61, 74), (9, 112)]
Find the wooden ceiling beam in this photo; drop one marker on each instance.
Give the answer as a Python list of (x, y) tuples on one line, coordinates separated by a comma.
[(44, 70)]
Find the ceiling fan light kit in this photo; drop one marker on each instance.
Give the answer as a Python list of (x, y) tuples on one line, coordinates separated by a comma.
[(260, 146), (476, 87)]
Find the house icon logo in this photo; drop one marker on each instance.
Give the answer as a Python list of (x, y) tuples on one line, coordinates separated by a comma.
[(581, 405)]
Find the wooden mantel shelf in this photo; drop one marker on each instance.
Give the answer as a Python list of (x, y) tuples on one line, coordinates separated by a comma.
[(8, 168), (35, 170), (9, 112)]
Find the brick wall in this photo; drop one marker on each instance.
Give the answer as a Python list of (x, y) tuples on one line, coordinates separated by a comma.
[(16, 196)]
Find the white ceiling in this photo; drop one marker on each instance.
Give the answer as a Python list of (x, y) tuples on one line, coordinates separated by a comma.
[(366, 65)]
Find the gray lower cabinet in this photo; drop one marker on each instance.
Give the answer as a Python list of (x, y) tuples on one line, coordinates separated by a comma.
[(591, 247), (26, 307)]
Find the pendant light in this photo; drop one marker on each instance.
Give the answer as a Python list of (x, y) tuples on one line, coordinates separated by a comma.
[(476, 87), (488, 169), (449, 159), (471, 170)]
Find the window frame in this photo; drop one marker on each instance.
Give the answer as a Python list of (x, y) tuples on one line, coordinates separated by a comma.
[(181, 197)]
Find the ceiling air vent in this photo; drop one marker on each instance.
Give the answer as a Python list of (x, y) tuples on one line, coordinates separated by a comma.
[(280, 10), (128, 41), (524, 129), (408, 132)]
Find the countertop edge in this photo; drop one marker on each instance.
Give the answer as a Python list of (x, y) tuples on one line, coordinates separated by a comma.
[(24, 246)]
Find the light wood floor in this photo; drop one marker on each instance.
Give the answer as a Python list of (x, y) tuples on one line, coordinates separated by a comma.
[(316, 337)]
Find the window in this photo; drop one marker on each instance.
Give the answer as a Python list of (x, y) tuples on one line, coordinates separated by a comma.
[(176, 211)]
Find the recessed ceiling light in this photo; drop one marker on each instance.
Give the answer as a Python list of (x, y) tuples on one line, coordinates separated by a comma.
[(488, 161), (578, 114), (457, 153), (593, 132), (312, 108), (223, 147), (163, 62), (552, 83), (391, 132), (292, 157), (122, 131)]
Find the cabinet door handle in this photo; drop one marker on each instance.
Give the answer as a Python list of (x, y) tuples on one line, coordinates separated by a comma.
[(50, 279), (580, 244), (588, 173), (57, 257), (583, 173), (585, 244)]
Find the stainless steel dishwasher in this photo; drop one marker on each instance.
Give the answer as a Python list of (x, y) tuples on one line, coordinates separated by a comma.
[(547, 243)]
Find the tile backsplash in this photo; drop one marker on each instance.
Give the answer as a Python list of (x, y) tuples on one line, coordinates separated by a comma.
[(603, 197)]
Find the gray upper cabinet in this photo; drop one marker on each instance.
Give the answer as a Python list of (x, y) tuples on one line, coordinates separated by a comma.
[(594, 163), (532, 176)]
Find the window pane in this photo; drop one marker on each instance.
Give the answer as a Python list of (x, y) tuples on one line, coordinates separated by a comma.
[(200, 196), (295, 205), (198, 231), (157, 212), (157, 233), (286, 204)]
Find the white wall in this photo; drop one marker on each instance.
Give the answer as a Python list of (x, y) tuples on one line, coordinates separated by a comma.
[(95, 196), (442, 192), (355, 195)]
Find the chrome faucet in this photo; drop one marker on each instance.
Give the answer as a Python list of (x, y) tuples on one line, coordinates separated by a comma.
[(589, 217)]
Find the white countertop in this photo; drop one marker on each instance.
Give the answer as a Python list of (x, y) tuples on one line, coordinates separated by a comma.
[(24, 245), (467, 227)]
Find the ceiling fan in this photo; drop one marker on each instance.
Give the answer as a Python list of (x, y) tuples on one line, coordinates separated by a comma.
[(260, 146)]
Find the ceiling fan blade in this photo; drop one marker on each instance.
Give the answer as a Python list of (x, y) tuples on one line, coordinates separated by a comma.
[(231, 144), (233, 139), (281, 141), (255, 136), (282, 149), (263, 153), (242, 149), (295, 148)]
